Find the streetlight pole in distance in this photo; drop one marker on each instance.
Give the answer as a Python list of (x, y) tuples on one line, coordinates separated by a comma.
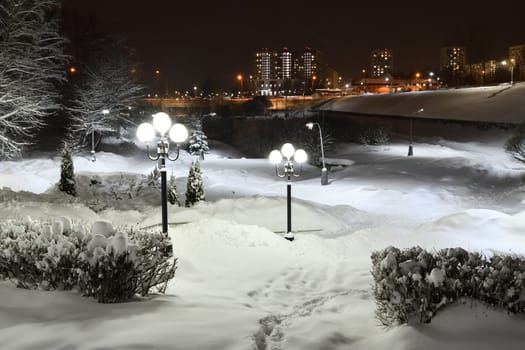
[(178, 134), (157, 82), (324, 172), (511, 66), (410, 148), (93, 157), (276, 157), (239, 78), (364, 78)]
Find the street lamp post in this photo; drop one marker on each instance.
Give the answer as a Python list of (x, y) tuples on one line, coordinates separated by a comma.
[(239, 77), (324, 172), (511, 63), (93, 158), (410, 148), (276, 157), (177, 133)]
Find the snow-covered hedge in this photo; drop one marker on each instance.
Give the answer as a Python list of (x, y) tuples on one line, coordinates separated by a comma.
[(111, 265), (415, 283)]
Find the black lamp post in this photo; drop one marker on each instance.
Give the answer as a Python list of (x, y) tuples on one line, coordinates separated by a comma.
[(177, 133), (410, 148), (276, 157)]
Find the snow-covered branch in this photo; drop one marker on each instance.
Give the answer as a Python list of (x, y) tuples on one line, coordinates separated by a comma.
[(32, 64)]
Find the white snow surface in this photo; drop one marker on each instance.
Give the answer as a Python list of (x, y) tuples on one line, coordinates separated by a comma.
[(241, 285), (496, 104)]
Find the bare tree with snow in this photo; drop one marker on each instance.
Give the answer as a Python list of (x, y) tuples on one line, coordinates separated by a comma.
[(105, 91), (32, 65)]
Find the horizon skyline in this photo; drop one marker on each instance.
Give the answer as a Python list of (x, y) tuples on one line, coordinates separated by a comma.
[(218, 41)]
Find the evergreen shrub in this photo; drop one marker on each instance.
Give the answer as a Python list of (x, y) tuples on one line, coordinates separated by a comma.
[(67, 183), (173, 195), (195, 186)]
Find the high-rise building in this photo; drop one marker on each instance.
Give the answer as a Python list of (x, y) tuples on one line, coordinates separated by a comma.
[(454, 59), (309, 70), (263, 64), (268, 69), (517, 57), (309, 60), (286, 64), (382, 62)]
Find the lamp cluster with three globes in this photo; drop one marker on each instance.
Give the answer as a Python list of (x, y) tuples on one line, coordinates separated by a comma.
[(290, 155), (177, 133)]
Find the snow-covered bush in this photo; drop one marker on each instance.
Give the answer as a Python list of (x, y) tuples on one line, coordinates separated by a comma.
[(111, 265), (67, 183), (373, 134), (195, 186), (415, 283)]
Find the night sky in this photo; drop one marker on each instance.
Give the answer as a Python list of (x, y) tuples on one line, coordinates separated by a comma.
[(192, 41)]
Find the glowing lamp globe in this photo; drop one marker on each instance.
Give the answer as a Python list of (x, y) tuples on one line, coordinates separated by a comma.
[(178, 133), (288, 150), (145, 132), (275, 157), (161, 122), (300, 156), (310, 125)]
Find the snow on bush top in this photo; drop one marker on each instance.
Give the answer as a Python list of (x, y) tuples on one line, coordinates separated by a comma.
[(102, 227)]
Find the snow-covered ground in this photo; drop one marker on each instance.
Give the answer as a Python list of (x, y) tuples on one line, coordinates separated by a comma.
[(240, 285)]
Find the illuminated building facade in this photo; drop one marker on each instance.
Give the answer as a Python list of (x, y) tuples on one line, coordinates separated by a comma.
[(517, 54), (382, 62), (453, 58), (286, 72)]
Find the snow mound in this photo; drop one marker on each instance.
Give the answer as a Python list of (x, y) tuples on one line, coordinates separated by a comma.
[(268, 212), (217, 233), (472, 217)]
